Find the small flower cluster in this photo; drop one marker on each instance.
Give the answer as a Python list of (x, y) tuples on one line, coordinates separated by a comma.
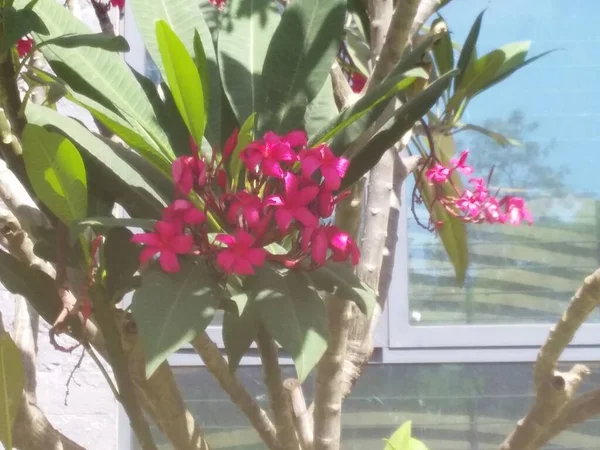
[(475, 204), (284, 193)]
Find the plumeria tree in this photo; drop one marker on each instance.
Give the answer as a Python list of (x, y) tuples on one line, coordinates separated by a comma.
[(261, 177)]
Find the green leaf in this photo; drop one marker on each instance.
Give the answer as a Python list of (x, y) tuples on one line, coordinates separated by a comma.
[(242, 47), (500, 139), (339, 280), (443, 52), (56, 172), (293, 313), (359, 51), (245, 137), (185, 18), (239, 329), (400, 440), (212, 17), (202, 67), (170, 310), (18, 24), (127, 175), (403, 120), (322, 109), (122, 260), (183, 79), (108, 222), (410, 61), (98, 73), (12, 382), (385, 91), (298, 61), (453, 232), (415, 444), (93, 40), (358, 10), (468, 53)]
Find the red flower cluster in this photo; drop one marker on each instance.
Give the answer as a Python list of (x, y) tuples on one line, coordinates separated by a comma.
[(357, 81), (24, 46), (285, 192), (475, 205)]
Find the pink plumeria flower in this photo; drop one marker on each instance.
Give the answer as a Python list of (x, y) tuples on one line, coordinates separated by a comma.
[(469, 203), (24, 46), (492, 211), (516, 211), (168, 240), (188, 171), (342, 246), (270, 152), (246, 204), (294, 204), (230, 144), (332, 168), (314, 241), (239, 257), (326, 202), (438, 173), (118, 4), (183, 212), (460, 164)]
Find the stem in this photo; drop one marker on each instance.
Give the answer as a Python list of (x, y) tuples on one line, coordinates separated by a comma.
[(282, 412), (106, 322), (218, 367), (329, 394), (303, 418)]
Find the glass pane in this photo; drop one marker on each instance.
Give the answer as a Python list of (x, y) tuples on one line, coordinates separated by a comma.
[(524, 274), (453, 407)]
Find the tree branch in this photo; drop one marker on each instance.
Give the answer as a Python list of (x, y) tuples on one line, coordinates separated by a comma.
[(282, 411), (328, 393), (425, 10), (218, 367), (395, 37), (101, 8), (342, 92), (303, 419), (554, 389)]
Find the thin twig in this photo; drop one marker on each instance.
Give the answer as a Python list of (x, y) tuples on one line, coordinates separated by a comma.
[(71, 375)]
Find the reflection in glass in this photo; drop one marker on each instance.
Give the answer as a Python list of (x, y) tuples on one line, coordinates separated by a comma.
[(452, 407), (523, 274)]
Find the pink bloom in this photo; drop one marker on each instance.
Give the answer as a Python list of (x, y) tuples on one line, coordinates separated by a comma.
[(460, 163), (24, 46), (326, 202), (187, 172), (438, 173), (332, 168), (481, 191), (342, 246), (492, 211), (168, 240), (315, 241), (248, 205), (222, 179), (270, 152), (183, 212), (469, 203), (358, 81), (230, 144), (294, 204), (516, 211), (118, 4), (240, 256)]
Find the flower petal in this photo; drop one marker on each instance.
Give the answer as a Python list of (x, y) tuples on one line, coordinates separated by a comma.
[(256, 256), (309, 164), (147, 254), (331, 177), (305, 217), (296, 138), (271, 168), (226, 239), (168, 261), (319, 247), (181, 244), (306, 195), (225, 260), (283, 218), (151, 239), (242, 267)]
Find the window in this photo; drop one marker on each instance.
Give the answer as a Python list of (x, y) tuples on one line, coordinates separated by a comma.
[(457, 361)]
